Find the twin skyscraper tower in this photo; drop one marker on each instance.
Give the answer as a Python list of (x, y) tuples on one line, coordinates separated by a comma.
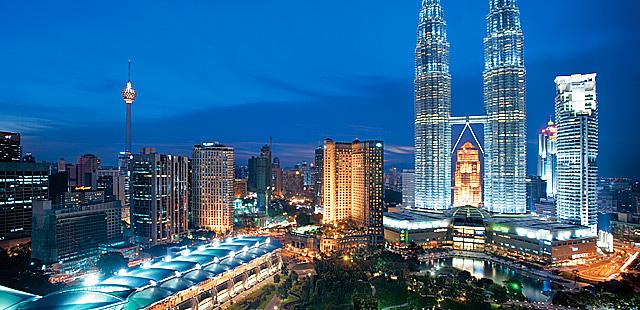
[(504, 116)]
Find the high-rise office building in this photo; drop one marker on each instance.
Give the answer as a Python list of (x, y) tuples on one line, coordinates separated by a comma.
[(260, 180), (547, 157), (433, 110), (266, 152), (318, 172), (504, 105), (20, 185), (85, 172), (467, 190), (277, 178), (393, 180), (10, 147), (28, 158), (240, 188), (159, 197), (112, 183), (212, 186), (71, 234), (408, 188), (293, 181), (536, 191), (353, 185), (577, 117), (305, 171)]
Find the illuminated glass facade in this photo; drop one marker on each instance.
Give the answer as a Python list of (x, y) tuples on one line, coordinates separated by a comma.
[(353, 184), (577, 117), (10, 149), (20, 185), (433, 110), (159, 197), (212, 187), (547, 158), (504, 104)]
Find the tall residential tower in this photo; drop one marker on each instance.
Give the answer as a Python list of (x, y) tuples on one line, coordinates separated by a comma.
[(577, 117), (504, 105), (433, 110)]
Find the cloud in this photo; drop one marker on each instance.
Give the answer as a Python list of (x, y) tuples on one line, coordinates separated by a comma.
[(400, 149)]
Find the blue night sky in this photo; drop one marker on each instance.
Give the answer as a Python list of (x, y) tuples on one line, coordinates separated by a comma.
[(239, 71)]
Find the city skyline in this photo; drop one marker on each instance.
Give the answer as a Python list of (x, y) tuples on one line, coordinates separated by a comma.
[(98, 127)]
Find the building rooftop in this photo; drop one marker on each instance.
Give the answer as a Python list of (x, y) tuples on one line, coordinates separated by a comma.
[(154, 281), (415, 220)]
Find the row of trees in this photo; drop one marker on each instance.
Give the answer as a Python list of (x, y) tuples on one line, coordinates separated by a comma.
[(372, 278), (19, 272), (608, 295)]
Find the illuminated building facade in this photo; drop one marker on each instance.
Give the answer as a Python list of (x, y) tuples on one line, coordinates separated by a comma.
[(10, 147), (20, 185), (111, 182), (577, 117), (240, 188), (547, 158), (212, 187), (277, 178), (504, 105), (433, 110), (353, 184), (293, 182), (408, 188), (467, 190), (159, 197), (472, 229)]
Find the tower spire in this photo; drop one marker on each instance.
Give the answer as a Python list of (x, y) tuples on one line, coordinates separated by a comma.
[(129, 72)]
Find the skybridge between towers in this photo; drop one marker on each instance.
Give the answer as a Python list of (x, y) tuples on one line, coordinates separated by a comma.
[(467, 121)]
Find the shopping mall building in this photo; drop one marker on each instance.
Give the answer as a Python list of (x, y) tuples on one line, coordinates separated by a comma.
[(472, 229), (199, 278)]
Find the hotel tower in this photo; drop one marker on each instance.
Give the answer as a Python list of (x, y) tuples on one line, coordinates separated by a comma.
[(352, 185)]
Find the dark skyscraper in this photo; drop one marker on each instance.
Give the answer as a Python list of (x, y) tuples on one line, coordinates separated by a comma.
[(86, 171), (433, 110), (318, 173), (260, 179), (504, 104), (10, 149)]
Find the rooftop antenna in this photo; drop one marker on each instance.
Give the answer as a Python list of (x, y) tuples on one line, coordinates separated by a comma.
[(129, 73)]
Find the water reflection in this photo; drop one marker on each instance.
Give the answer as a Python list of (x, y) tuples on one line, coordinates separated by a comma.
[(531, 288)]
